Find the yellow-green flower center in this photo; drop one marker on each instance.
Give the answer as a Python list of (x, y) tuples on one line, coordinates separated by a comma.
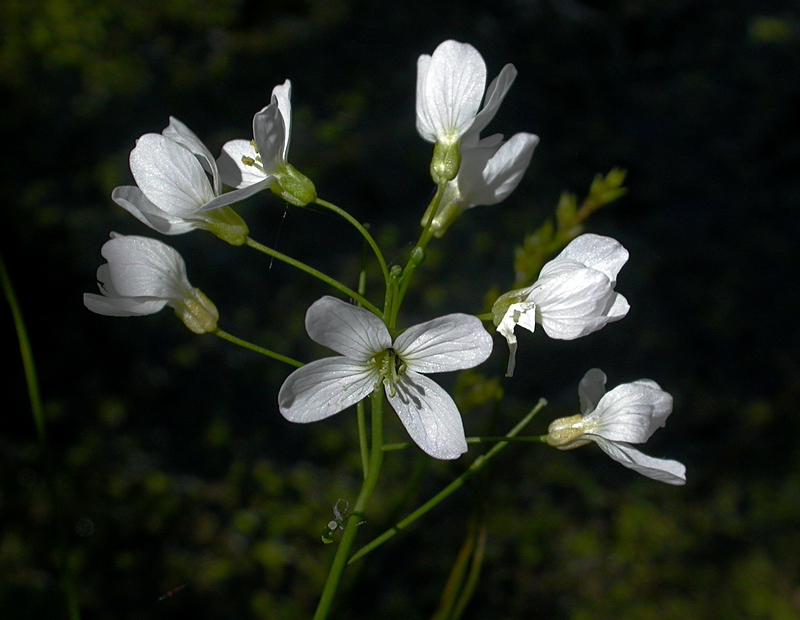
[(391, 367)]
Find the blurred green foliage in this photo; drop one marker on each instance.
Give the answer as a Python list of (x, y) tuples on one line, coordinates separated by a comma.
[(167, 456)]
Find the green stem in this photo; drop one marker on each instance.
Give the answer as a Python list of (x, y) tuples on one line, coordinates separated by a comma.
[(25, 350), (362, 437), (345, 544), (395, 447), (256, 348), (65, 569), (313, 272), (415, 259), (451, 488), (361, 229)]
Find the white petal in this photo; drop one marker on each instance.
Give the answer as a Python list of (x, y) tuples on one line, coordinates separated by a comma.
[(282, 95), (133, 200), (494, 97), (663, 470), (180, 133), (503, 171), (351, 331), (452, 342), (662, 403), (429, 415), (591, 389), (143, 267), (602, 253), (450, 86), (627, 413), (232, 170), (619, 308), (523, 314), (228, 198), (269, 132), (572, 301), (169, 175), (324, 387), (122, 306)]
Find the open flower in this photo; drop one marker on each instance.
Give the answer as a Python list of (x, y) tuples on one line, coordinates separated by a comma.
[(173, 192), (262, 163), (450, 86), (630, 413), (369, 357), (489, 172), (144, 275), (574, 295)]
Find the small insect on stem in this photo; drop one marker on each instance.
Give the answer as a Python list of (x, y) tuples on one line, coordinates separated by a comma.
[(340, 516)]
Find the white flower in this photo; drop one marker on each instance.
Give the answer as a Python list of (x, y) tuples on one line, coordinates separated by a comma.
[(144, 275), (450, 86), (369, 357), (630, 413), (262, 163), (574, 295), (489, 172), (173, 193)]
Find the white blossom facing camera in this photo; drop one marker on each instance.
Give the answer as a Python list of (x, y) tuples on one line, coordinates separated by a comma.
[(574, 295), (141, 277), (368, 358), (173, 192), (630, 413), (450, 87), (262, 163)]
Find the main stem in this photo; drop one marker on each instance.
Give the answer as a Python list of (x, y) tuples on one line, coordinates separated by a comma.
[(348, 537)]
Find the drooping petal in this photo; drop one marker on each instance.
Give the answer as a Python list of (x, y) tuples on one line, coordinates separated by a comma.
[(133, 200), (502, 172), (232, 170), (523, 314), (143, 267), (122, 306), (429, 415), (591, 389), (597, 252), (169, 175), (452, 342), (450, 85), (325, 387), (348, 330), (663, 470)]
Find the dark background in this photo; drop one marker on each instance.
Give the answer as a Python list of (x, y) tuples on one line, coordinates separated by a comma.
[(167, 462)]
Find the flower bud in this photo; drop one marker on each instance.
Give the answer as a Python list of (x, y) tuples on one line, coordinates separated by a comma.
[(198, 313), (294, 187), (226, 224), (566, 433)]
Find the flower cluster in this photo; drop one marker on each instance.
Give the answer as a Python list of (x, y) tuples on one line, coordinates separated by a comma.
[(179, 188), (477, 171)]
